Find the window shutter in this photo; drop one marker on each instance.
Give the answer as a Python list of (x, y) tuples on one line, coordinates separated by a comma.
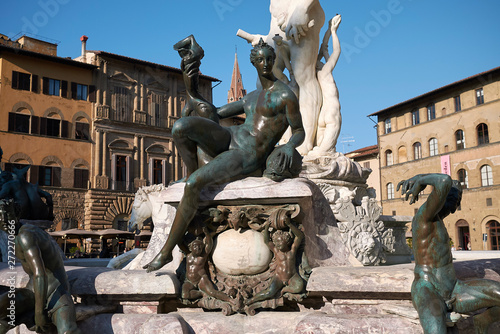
[(34, 83), (45, 88), (73, 90), (92, 93), (15, 79), (35, 125), (12, 121), (64, 88), (56, 176), (65, 129), (85, 178), (77, 178), (34, 174), (43, 126)]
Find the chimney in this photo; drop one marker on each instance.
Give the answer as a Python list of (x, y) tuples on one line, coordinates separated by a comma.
[(84, 47)]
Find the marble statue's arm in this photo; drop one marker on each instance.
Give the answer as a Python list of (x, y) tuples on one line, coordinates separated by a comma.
[(331, 60), (441, 184), (298, 23), (231, 109), (250, 38), (33, 260)]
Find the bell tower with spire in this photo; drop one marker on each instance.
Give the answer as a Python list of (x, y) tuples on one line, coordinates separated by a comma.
[(236, 91)]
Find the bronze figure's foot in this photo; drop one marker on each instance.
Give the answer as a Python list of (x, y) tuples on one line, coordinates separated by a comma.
[(159, 261)]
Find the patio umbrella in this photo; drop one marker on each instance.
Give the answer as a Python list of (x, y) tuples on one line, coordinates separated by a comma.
[(74, 233), (111, 233)]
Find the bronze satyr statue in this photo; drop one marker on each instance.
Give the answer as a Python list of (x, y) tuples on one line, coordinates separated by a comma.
[(436, 290), (237, 151), (284, 248), (46, 297), (27, 195), (197, 280)]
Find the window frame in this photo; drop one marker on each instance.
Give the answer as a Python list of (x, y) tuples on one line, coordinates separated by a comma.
[(431, 112), (463, 178), (486, 175), (459, 142), (21, 81), (415, 117), (482, 134), (388, 126), (417, 150), (433, 147), (458, 103), (388, 154), (390, 190), (479, 96)]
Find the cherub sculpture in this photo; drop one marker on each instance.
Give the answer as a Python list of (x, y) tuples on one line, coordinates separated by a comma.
[(284, 248)]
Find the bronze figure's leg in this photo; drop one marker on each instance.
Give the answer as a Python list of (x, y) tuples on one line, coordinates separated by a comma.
[(221, 169), (64, 316), (477, 294), (430, 306)]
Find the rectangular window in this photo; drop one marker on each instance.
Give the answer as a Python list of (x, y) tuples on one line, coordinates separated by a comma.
[(53, 87), (81, 178), (479, 96), (489, 201), (431, 112), (366, 164), (82, 131), (121, 104), (49, 176), (79, 91), (458, 103), (415, 117), (120, 182), (21, 80), (53, 127), (388, 127), (157, 171), (19, 123)]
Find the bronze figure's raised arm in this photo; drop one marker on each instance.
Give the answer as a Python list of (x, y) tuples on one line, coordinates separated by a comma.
[(436, 290)]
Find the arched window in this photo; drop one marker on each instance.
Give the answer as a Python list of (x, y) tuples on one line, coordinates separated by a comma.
[(460, 139), (433, 147), (20, 121), (486, 176), (388, 158), (417, 151), (390, 190), (463, 178), (494, 234), (482, 134), (82, 129)]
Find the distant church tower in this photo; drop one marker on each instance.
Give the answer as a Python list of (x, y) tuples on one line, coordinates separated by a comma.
[(236, 91)]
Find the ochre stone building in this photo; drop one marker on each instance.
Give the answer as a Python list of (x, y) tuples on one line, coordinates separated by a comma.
[(93, 129), (45, 121), (455, 130)]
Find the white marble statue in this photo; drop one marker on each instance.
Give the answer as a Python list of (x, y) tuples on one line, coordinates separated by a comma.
[(148, 203), (329, 120), (299, 23)]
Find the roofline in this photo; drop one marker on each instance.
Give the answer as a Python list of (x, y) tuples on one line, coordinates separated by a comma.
[(145, 62), (436, 91), (43, 56)]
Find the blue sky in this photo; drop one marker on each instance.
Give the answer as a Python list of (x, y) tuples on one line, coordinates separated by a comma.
[(393, 50)]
